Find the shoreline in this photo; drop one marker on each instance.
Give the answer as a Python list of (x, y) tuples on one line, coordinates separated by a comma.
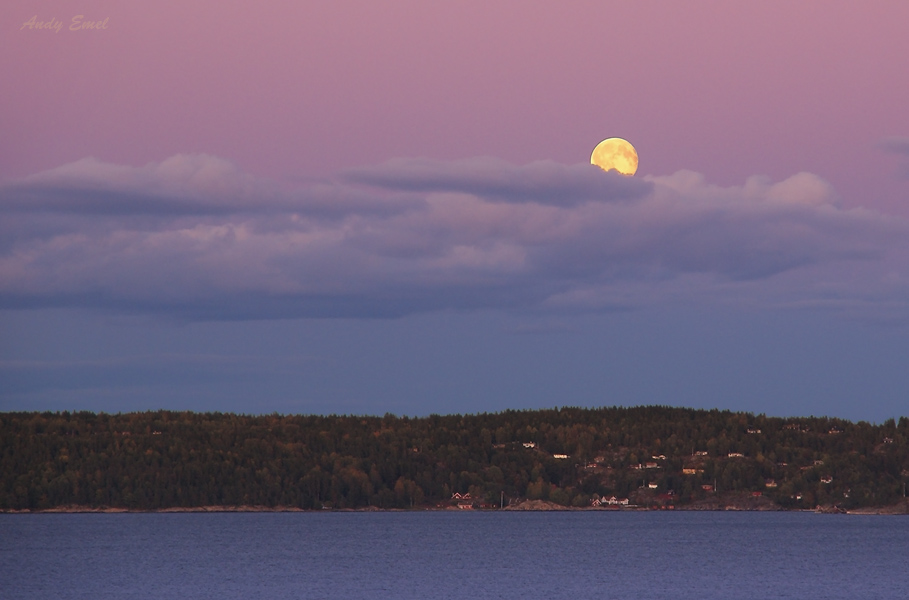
[(901, 508)]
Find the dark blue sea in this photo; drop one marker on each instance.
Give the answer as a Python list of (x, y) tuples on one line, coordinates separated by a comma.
[(463, 556)]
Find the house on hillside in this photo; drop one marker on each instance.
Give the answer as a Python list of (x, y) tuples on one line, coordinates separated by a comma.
[(613, 501)]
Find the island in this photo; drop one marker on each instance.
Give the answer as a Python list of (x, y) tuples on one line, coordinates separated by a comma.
[(610, 458)]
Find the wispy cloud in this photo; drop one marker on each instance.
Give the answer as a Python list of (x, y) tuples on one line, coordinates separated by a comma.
[(195, 237), (900, 147), (895, 145)]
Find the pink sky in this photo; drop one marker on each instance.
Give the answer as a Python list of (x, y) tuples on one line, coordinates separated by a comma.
[(433, 190), (303, 89)]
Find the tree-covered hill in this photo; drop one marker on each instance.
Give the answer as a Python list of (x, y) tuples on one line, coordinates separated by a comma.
[(654, 455)]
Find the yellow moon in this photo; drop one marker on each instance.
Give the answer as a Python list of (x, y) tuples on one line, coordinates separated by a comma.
[(615, 153)]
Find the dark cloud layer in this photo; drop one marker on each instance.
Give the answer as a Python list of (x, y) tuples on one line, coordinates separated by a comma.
[(545, 182), (195, 237)]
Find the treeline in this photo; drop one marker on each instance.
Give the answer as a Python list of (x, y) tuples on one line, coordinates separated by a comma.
[(156, 460)]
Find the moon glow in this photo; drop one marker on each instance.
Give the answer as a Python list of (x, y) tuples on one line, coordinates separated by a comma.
[(615, 154)]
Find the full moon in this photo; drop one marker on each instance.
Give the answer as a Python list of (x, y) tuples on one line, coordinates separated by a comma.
[(615, 153)]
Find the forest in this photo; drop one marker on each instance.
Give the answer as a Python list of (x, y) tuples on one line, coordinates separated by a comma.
[(654, 455)]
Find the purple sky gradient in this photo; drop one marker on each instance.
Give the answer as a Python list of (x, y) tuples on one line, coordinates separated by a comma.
[(404, 184), (306, 89)]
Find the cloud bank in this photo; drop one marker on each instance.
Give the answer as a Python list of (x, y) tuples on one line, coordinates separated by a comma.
[(195, 237)]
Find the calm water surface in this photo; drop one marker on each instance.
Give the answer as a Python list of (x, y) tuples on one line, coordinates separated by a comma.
[(600, 555)]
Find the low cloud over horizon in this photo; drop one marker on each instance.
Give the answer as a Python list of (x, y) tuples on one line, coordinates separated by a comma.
[(194, 237)]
